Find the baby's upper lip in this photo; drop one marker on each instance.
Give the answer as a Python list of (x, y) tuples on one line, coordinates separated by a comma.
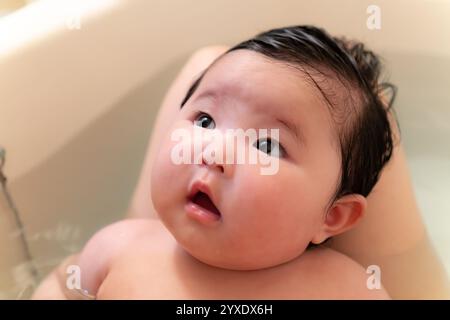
[(201, 186)]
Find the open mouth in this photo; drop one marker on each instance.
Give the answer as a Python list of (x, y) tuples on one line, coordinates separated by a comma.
[(202, 200)]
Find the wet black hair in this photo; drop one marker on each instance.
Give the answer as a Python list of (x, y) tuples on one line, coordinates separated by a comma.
[(360, 112)]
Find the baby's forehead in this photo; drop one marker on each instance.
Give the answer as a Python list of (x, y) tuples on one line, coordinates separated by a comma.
[(248, 77)]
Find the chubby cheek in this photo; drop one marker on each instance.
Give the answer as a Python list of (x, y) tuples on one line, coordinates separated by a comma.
[(276, 213), (169, 180)]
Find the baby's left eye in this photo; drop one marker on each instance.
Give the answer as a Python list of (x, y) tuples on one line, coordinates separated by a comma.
[(270, 146)]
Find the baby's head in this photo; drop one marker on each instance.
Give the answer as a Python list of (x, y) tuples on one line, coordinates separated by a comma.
[(324, 97)]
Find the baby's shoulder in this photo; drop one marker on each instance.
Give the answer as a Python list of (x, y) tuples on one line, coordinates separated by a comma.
[(120, 236), (128, 229), (339, 276), (112, 242)]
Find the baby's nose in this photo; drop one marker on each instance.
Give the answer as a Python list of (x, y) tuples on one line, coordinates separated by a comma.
[(213, 164), (216, 152)]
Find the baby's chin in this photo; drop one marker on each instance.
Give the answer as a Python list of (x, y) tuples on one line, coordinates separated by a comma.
[(231, 260)]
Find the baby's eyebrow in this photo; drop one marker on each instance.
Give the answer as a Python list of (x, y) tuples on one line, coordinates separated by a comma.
[(192, 88)]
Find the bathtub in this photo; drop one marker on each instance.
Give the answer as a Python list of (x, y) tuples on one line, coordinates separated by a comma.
[(81, 83)]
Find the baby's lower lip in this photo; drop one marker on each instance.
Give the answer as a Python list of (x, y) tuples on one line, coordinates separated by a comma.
[(201, 214)]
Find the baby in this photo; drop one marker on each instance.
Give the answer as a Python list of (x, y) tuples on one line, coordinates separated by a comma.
[(236, 232)]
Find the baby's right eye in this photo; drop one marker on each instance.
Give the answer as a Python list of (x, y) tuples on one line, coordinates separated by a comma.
[(204, 120)]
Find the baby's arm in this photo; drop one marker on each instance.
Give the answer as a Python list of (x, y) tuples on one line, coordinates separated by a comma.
[(93, 262), (53, 287)]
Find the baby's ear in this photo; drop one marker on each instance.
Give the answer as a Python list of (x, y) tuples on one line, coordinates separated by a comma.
[(343, 215)]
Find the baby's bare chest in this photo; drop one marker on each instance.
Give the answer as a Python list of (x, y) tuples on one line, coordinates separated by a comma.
[(170, 273)]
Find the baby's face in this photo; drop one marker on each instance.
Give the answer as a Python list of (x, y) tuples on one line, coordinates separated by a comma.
[(264, 220)]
